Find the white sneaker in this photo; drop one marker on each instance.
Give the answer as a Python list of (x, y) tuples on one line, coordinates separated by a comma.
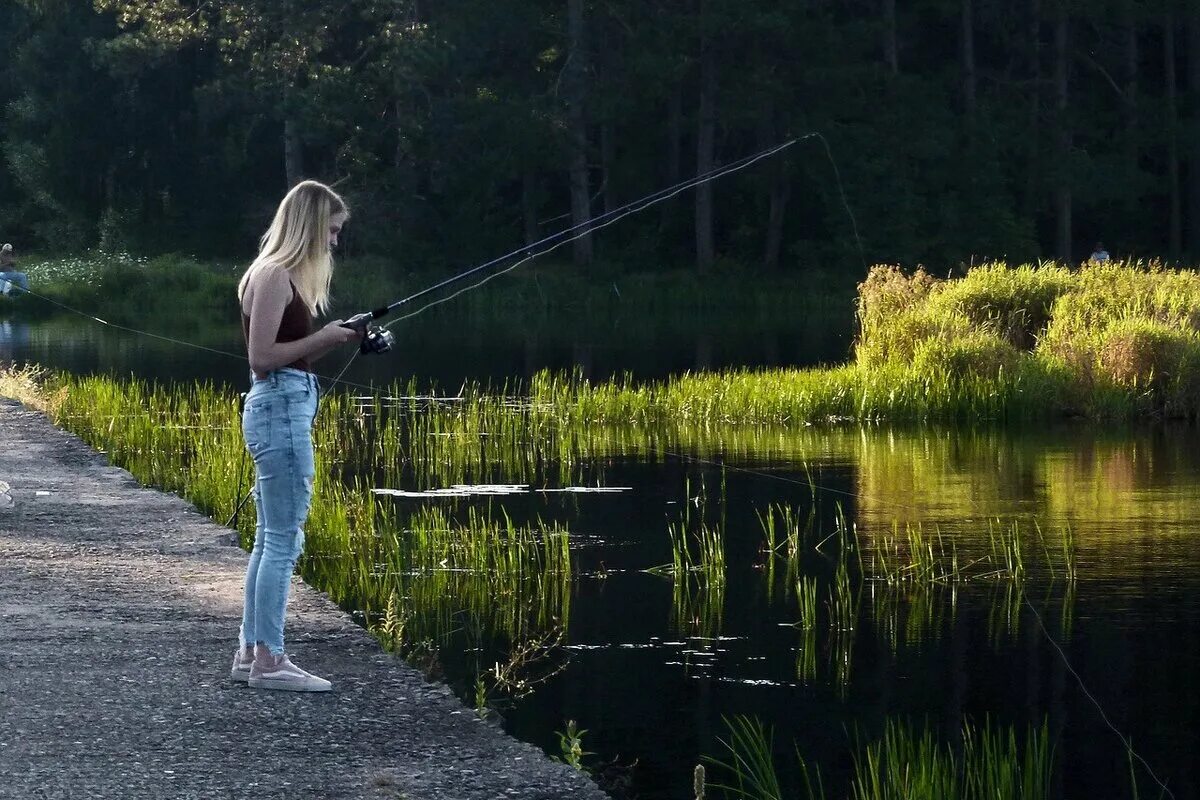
[(243, 658), (279, 673)]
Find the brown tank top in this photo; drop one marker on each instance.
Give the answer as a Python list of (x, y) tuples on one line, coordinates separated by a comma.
[(295, 325)]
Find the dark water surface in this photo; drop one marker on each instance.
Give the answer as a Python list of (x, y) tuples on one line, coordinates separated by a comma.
[(653, 687), (447, 349), (650, 679)]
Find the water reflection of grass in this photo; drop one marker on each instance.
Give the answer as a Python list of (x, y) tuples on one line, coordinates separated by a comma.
[(910, 580), (944, 478), (697, 569)]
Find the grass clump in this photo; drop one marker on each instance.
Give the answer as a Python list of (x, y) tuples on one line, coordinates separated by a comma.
[(905, 763), (1111, 340)]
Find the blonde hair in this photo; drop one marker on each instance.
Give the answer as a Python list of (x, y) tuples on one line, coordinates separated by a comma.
[(298, 242), (7, 248)]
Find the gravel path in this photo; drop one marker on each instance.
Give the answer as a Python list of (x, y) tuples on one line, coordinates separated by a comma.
[(119, 608)]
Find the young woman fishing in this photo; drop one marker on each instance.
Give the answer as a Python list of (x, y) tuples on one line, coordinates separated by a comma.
[(281, 293)]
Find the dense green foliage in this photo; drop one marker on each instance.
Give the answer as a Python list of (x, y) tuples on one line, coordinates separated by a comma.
[(1114, 341), (963, 130)]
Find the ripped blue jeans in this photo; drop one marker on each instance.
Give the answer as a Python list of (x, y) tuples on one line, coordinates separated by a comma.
[(277, 426)]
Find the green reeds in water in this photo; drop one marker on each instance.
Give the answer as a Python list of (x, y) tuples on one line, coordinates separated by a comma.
[(408, 574), (806, 599), (909, 764), (697, 569), (750, 761), (906, 763), (698, 553)]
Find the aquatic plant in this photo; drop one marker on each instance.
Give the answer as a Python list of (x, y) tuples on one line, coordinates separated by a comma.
[(751, 761), (806, 597), (905, 763), (571, 745)]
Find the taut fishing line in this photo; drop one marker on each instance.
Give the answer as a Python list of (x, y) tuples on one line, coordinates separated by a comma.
[(161, 337), (550, 243)]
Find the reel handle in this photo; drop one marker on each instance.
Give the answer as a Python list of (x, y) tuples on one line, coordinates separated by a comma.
[(374, 338)]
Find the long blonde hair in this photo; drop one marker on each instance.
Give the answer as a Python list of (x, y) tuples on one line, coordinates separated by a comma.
[(298, 241)]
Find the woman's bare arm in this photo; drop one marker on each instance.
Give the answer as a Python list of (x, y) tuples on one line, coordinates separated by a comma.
[(266, 298)]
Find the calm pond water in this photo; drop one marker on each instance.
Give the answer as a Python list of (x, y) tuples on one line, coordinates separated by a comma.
[(650, 674), (446, 349)]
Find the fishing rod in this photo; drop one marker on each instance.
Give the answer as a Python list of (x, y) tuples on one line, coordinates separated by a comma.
[(378, 339)]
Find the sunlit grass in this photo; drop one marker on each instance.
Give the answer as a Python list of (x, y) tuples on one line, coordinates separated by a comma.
[(905, 763), (414, 570)]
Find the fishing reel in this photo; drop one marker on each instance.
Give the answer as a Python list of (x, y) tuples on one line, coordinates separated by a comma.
[(375, 339)]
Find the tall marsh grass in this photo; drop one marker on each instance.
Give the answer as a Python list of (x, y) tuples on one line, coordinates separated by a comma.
[(904, 763), (1116, 341), (409, 570)]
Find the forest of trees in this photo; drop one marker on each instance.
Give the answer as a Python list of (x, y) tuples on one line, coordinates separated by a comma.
[(962, 129)]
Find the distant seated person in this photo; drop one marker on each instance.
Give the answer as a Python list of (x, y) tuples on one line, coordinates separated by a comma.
[(1099, 255), (11, 281)]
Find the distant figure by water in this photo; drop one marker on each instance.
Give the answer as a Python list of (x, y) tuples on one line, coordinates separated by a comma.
[(11, 281), (1099, 255)]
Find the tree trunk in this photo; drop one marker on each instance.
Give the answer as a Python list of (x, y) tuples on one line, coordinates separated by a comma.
[(781, 191), (1062, 192), (1033, 160), (891, 54), (574, 79), (293, 154), (1175, 220), (1193, 228), (705, 153), (968, 56)]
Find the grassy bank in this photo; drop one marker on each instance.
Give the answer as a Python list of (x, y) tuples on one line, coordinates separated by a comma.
[(1119, 341)]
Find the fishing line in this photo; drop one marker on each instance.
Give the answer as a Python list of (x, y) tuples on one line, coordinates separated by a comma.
[(585, 228), (1024, 597), (1083, 688), (239, 356), (599, 222)]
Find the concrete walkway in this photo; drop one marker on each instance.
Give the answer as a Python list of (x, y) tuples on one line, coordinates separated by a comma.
[(119, 608)]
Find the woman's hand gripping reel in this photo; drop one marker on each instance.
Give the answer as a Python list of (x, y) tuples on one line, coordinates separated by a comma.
[(374, 338)]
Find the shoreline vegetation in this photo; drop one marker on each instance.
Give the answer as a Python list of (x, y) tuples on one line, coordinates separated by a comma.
[(1116, 341), (1032, 343)]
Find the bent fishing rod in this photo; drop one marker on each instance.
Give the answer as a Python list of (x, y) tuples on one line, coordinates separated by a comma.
[(378, 339)]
